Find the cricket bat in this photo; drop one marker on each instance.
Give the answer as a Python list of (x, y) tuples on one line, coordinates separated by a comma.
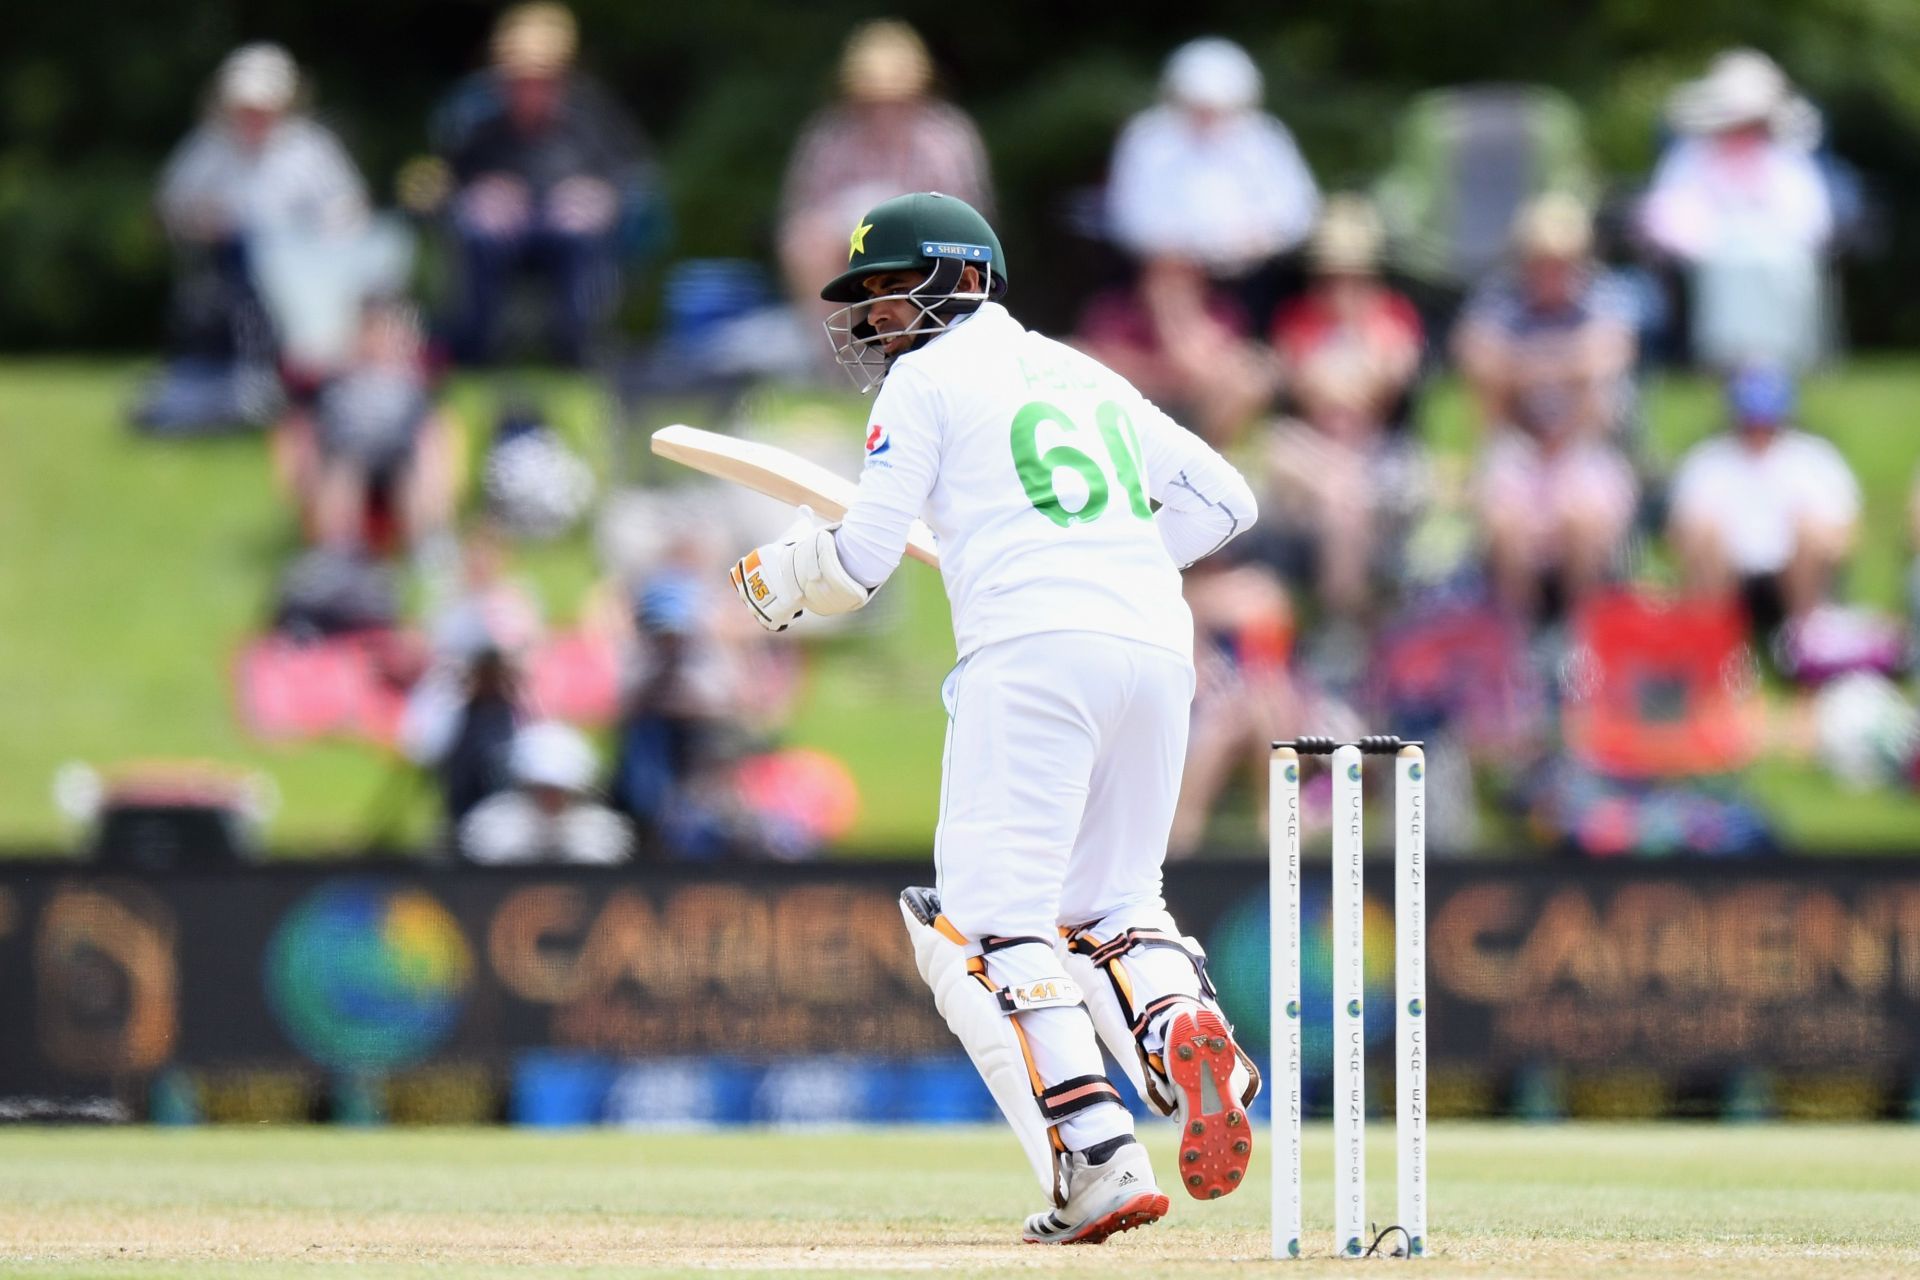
[(769, 469)]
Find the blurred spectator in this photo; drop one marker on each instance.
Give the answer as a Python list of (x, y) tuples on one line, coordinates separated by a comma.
[(694, 706), (1546, 352), (1206, 177), (1205, 190), (886, 135), (461, 718), (489, 607), (1763, 509), (547, 815), (254, 165), (269, 218), (460, 721), (372, 450), (1349, 349), (548, 172), (1740, 201), (1244, 694)]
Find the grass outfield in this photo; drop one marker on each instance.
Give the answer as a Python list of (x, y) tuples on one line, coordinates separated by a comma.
[(1563, 1200), (133, 569)]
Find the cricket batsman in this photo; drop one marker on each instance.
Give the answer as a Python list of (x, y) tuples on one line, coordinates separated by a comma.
[(1065, 505)]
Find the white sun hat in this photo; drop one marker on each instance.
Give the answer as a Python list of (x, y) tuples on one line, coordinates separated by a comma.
[(261, 76), (1214, 73), (1741, 86)]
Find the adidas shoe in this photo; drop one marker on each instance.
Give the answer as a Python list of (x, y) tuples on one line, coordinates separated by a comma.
[(1104, 1196)]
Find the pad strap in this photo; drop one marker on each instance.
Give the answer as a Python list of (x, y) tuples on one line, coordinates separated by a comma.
[(1105, 953), (1109, 956), (1055, 991), (1077, 1094), (993, 943), (1147, 1015)]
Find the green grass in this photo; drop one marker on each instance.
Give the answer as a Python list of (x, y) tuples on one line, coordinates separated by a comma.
[(131, 571), (1567, 1200)]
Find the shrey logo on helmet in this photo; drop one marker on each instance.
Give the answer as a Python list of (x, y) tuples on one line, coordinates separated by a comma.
[(934, 236)]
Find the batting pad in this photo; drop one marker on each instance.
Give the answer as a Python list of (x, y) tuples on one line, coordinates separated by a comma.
[(981, 1017), (1112, 1021), (1134, 966)]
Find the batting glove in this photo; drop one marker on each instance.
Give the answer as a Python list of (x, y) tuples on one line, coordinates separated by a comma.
[(765, 577), (801, 569)]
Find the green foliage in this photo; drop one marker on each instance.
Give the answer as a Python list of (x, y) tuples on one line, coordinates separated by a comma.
[(93, 95)]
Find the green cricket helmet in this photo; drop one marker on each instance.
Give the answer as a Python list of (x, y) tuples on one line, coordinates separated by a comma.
[(925, 232)]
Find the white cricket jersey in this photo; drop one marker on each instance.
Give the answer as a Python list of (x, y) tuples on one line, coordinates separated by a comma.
[(1034, 464)]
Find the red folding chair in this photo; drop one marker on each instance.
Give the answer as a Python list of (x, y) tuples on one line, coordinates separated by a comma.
[(1662, 689)]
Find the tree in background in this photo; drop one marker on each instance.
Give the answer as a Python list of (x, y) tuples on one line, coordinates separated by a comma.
[(91, 95)]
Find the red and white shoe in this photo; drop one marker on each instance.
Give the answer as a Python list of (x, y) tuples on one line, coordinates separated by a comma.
[(1102, 1199), (1216, 1137)]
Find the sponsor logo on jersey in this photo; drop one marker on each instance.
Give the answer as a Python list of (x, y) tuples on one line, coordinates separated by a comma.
[(877, 441)]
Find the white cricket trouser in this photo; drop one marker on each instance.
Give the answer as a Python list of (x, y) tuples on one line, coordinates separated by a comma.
[(1063, 760)]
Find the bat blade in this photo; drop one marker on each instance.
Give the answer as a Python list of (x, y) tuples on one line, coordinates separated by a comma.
[(777, 473)]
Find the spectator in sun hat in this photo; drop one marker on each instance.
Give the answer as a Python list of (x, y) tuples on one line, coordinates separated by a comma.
[(1205, 192), (256, 163), (1742, 164), (1350, 347), (547, 173), (886, 133), (274, 240), (1740, 202), (1763, 508), (1206, 176), (548, 815), (1546, 349)]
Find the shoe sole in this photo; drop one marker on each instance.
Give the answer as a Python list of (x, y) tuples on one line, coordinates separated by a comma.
[(1216, 1140), (1142, 1211)]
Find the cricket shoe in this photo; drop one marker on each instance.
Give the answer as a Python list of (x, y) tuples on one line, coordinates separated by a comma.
[(1211, 1086), (1110, 1189)]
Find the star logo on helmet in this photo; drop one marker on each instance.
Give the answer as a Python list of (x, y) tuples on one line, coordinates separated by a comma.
[(857, 243)]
